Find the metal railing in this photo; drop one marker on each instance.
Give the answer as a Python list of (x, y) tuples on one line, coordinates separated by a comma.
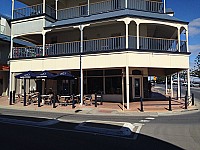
[(150, 43), (62, 48), (2, 29), (25, 52), (109, 5), (146, 5), (104, 44), (34, 10), (73, 12), (98, 45)]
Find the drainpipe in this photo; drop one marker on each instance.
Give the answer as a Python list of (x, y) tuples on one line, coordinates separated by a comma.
[(164, 6), (88, 11), (56, 9), (13, 7)]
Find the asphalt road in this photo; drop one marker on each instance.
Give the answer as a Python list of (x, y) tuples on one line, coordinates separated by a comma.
[(42, 130)]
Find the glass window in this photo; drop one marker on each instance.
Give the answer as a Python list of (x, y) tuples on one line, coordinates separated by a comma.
[(95, 85), (95, 73), (113, 72), (113, 85)]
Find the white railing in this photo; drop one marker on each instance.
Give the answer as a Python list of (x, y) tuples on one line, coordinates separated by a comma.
[(149, 43), (100, 45), (108, 6)]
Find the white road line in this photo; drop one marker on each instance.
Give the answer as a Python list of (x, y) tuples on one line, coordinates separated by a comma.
[(138, 130), (149, 118), (145, 121)]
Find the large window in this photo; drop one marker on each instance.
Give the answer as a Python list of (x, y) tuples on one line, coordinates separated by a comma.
[(113, 85), (94, 85)]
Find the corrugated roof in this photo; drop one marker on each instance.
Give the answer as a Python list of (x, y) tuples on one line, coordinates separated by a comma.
[(16, 41), (116, 14)]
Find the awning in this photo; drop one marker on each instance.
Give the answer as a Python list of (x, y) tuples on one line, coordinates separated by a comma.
[(45, 75), (64, 76), (26, 75)]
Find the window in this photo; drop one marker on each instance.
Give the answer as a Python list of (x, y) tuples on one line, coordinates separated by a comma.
[(113, 85)]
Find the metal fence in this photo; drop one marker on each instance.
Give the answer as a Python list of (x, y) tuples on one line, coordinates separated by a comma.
[(34, 10), (158, 44), (25, 52)]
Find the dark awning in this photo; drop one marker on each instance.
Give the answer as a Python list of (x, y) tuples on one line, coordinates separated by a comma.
[(45, 75), (65, 75), (26, 75)]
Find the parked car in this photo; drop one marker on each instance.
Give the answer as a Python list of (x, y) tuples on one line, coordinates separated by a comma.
[(195, 84)]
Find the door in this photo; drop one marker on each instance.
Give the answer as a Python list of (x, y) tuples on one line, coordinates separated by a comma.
[(136, 87)]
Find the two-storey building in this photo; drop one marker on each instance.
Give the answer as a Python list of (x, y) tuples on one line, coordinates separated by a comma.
[(111, 46)]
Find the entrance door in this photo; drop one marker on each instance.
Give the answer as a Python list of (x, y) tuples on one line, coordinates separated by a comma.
[(137, 90)]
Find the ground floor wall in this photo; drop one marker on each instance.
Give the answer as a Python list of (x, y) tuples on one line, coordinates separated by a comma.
[(4, 83)]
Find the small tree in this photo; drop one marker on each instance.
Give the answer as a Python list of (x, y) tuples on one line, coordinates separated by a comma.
[(197, 65)]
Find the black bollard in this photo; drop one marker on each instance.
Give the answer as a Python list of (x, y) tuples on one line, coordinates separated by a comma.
[(101, 98), (10, 100), (170, 103), (95, 99), (192, 99), (73, 102), (39, 99), (141, 105), (14, 97), (186, 93), (54, 101), (185, 102)]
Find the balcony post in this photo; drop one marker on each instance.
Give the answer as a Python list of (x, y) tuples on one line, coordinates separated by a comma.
[(179, 90), (123, 88), (138, 35), (179, 39), (13, 7), (172, 92), (88, 11), (187, 39), (81, 27), (44, 4), (164, 3), (127, 86), (44, 43), (126, 4), (56, 5)]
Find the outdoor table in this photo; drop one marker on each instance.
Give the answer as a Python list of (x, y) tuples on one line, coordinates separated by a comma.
[(43, 97)]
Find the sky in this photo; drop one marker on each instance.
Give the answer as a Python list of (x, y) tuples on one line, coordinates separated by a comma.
[(186, 10)]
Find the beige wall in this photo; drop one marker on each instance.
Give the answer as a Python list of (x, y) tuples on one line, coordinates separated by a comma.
[(107, 60)]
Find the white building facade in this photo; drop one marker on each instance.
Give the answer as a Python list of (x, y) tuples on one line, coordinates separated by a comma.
[(111, 46)]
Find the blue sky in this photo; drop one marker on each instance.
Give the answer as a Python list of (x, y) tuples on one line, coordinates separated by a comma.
[(187, 10)]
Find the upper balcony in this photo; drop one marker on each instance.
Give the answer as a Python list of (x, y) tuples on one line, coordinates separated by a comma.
[(73, 9)]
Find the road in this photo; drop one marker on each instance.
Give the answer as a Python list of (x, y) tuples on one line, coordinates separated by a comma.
[(46, 130)]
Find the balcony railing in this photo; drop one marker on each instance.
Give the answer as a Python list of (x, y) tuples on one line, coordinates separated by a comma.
[(109, 5), (34, 10), (2, 29), (100, 45), (158, 44)]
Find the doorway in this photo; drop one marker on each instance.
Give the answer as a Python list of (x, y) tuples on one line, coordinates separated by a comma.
[(136, 87)]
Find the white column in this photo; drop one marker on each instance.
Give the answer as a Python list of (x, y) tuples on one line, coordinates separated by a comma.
[(44, 4), (127, 86), (56, 9), (172, 92), (126, 4), (123, 88), (166, 86), (164, 3), (188, 80), (179, 90), (44, 43), (187, 40), (104, 82), (138, 35), (81, 27), (179, 39), (88, 11), (10, 82), (13, 7)]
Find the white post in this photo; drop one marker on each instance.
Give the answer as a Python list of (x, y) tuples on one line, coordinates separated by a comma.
[(164, 6), (88, 7), (172, 92), (44, 4), (179, 39), (104, 82), (187, 40), (13, 7), (138, 35), (127, 86), (179, 90), (188, 80), (123, 88), (126, 4), (166, 86), (44, 43), (81, 27), (56, 9)]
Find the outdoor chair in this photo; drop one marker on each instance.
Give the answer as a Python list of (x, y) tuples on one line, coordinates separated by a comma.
[(62, 100), (48, 101), (87, 100)]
